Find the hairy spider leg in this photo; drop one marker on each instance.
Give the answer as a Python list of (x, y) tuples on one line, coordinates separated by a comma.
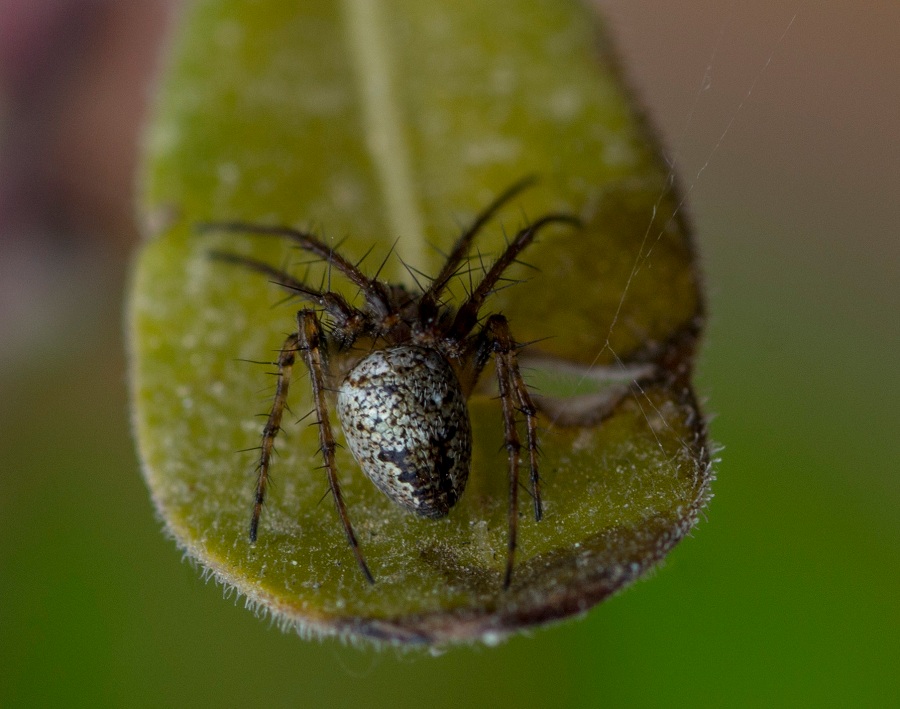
[(527, 407), (345, 315), (467, 315), (308, 342), (311, 339), (464, 243), (273, 425), (495, 338), (375, 292)]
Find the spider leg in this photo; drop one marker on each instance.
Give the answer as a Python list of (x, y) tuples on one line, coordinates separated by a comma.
[(527, 407), (273, 425), (375, 291), (495, 338), (310, 343), (467, 315), (334, 304), (464, 243)]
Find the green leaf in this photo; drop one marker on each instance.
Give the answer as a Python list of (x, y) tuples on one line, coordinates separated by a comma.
[(388, 124)]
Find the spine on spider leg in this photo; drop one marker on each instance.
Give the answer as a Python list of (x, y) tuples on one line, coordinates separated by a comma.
[(495, 339), (429, 300), (513, 449), (527, 407), (336, 306), (273, 426), (467, 315), (376, 293), (311, 344), (497, 333)]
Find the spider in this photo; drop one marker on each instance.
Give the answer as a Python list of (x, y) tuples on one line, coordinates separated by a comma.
[(405, 364)]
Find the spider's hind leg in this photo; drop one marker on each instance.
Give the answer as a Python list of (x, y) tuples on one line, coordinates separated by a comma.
[(285, 364), (495, 338), (309, 342)]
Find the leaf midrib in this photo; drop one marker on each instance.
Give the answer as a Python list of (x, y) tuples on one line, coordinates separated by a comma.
[(384, 126)]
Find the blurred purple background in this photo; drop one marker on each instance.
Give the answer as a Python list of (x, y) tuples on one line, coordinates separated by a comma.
[(74, 87)]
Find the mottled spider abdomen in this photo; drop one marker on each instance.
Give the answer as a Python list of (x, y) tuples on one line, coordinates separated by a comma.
[(406, 422)]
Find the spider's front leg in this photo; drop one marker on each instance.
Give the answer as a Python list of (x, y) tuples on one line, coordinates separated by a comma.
[(495, 339), (309, 341)]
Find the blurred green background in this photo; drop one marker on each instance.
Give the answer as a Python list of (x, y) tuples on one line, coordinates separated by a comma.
[(787, 594)]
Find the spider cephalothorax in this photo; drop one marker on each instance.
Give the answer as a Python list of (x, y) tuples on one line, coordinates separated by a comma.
[(404, 365)]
